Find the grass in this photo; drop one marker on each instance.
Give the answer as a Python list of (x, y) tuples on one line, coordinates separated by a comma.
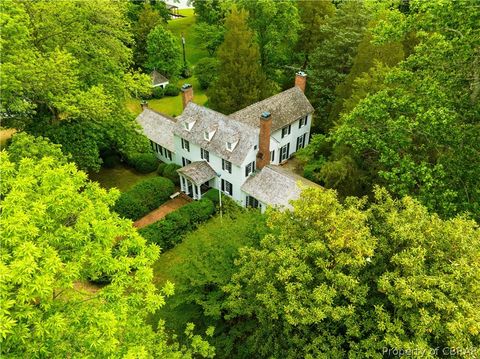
[(173, 105), (121, 177)]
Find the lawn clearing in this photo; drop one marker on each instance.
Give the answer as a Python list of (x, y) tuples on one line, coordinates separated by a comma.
[(121, 177), (173, 105)]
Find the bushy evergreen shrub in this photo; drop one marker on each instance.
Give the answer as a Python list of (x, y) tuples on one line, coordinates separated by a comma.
[(170, 172), (143, 162), (172, 90), (169, 231), (161, 168), (144, 197), (158, 92)]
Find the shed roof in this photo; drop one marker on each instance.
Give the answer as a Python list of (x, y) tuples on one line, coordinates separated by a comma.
[(158, 128), (199, 172), (285, 107), (158, 78), (226, 129), (276, 186)]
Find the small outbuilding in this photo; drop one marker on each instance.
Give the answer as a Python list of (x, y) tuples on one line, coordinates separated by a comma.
[(158, 80)]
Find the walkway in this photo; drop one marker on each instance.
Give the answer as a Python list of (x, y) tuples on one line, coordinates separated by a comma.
[(157, 214)]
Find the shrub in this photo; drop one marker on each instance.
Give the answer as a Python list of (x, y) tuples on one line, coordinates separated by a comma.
[(158, 92), (206, 71), (169, 231), (172, 90), (170, 172), (229, 206), (161, 168), (144, 197), (143, 162)]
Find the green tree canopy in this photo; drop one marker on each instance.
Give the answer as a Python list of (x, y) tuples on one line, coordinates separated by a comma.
[(148, 19), (347, 280), (164, 53), (241, 80), (58, 234)]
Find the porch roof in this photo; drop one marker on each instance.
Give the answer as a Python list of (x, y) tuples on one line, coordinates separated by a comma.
[(198, 172)]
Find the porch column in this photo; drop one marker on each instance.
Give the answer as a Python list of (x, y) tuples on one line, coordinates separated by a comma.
[(199, 192), (194, 190), (182, 186)]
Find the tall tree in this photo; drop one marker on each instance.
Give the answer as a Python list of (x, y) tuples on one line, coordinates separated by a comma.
[(59, 235), (241, 80), (417, 134), (65, 63), (313, 15), (340, 280), (276, 24), (333, 58), (148, 19), (164, 53)]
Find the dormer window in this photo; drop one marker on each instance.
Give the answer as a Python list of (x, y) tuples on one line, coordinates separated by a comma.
[(188, 125), (229, 146), (206, 136)]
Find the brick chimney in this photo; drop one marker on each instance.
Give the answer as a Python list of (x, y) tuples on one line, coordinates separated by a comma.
[(187, 94), (144, 104), (301, 80), (263, 155)]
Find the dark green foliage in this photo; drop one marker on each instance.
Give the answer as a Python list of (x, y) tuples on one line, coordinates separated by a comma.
[(144, 197), (158, 92), (111, 161), (229, 206), (143, 162), (206, 71), (241, 80), (210, 11), (161, 168), (209, 36), (170, 172), (169, 231), (205, 263), (172, 90)]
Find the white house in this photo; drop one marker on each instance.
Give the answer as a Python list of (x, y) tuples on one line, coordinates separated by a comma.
[(240, 153)]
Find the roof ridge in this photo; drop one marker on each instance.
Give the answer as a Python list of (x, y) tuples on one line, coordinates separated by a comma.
[(171, 118)]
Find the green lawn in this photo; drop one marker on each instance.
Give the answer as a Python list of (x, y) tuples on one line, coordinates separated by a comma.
[(173, 105), (121, 177)]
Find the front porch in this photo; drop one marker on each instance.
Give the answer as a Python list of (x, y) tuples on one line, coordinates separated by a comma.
[(196, 178)]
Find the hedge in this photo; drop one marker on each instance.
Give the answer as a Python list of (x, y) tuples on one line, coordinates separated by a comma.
[(170, 172), (161, 168), (144, 197), (229, 206), (169, 231), (143, 162)]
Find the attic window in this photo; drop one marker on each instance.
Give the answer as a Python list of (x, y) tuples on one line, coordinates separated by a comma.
[(188, 125), (229, 146), (206, 135)]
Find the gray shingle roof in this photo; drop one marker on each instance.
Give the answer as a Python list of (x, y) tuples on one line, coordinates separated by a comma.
[(275, 186), (158, 78), (158, 128), (199, 172), (226, 129), (285, 107)]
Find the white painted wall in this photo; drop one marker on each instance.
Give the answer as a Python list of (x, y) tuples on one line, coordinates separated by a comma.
[(237, 177), (162, 157)]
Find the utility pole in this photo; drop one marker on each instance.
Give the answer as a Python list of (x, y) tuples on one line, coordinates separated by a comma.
[(184, 57)]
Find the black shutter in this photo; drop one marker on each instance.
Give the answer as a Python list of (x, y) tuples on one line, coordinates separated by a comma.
[(288, 149), (289, 129)]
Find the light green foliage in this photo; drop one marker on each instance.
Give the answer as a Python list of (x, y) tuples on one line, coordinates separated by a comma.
[(241, 80), (57, 231), (209, 37), (164, 52), (276, 24), (211, 11), (24, 145), (342, 280)]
